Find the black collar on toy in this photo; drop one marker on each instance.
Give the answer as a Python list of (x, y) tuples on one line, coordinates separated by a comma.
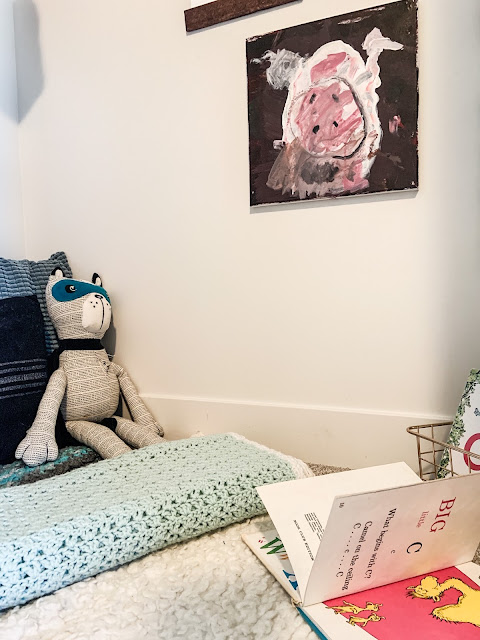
[(79, 344)]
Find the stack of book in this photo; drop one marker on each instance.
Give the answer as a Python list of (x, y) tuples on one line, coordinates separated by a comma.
[(377, 552)]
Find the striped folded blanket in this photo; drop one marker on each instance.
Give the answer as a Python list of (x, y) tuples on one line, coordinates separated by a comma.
[(61, 530), (23, 370), (69, 458)]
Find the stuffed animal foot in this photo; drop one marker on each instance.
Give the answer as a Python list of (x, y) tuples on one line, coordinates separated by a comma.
[(102, 439), (135, 434)]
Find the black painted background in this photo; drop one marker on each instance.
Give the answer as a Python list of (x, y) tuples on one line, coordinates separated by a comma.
[(398, 94)]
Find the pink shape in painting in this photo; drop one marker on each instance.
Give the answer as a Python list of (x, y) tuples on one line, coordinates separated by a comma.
[(331, 128)]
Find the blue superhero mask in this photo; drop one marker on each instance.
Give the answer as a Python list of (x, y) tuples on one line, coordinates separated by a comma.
[(68, 289)]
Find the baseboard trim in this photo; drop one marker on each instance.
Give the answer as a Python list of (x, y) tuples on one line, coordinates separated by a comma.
[(342, 437)]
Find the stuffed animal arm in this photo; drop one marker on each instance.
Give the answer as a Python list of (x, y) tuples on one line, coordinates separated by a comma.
[(136, 406), (86, 386), (41, 444)]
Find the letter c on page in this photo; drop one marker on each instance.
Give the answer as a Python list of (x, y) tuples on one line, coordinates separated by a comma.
[(414, 544)]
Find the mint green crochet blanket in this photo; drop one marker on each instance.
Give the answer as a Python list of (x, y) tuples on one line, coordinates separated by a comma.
[(67, 528)]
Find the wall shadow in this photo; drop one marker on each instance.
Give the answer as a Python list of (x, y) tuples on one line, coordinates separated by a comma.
[(30, 77), (8, 98), (109, 340)]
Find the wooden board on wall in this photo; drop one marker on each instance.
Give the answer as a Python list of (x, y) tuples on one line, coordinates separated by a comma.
[(212, 13)]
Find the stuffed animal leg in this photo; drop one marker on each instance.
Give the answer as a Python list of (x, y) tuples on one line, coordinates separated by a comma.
[(109, 439), (105, 442), (129, 432)]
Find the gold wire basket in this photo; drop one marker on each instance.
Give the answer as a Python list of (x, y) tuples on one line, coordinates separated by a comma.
[(431, 447)]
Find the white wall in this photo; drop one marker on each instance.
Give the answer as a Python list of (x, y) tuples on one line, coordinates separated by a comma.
[(12, 244), (309, 327)]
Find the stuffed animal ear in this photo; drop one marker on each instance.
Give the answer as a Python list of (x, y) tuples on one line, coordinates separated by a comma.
[(96, 280), (57, 274)]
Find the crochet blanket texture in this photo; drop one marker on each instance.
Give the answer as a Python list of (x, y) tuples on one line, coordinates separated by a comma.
[(67, 528)]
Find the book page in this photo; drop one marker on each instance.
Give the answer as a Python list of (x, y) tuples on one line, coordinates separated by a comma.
[(375, 538), (300, 509), (406, 609)]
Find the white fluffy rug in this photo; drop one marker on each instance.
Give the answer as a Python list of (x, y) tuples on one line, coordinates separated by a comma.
[(212, 587)]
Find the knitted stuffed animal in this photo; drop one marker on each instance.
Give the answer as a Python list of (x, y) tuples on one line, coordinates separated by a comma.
[(86, 386)]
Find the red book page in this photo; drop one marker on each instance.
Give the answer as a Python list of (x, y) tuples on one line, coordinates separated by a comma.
[(396, 615)]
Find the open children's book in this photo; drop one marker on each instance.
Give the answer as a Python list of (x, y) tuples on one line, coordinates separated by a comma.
[(377, 551)]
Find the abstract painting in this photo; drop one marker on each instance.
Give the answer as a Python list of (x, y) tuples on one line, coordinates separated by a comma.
[(333, 106)]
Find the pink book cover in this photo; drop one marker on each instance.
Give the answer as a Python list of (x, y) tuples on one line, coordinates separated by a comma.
[(442, 604)]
